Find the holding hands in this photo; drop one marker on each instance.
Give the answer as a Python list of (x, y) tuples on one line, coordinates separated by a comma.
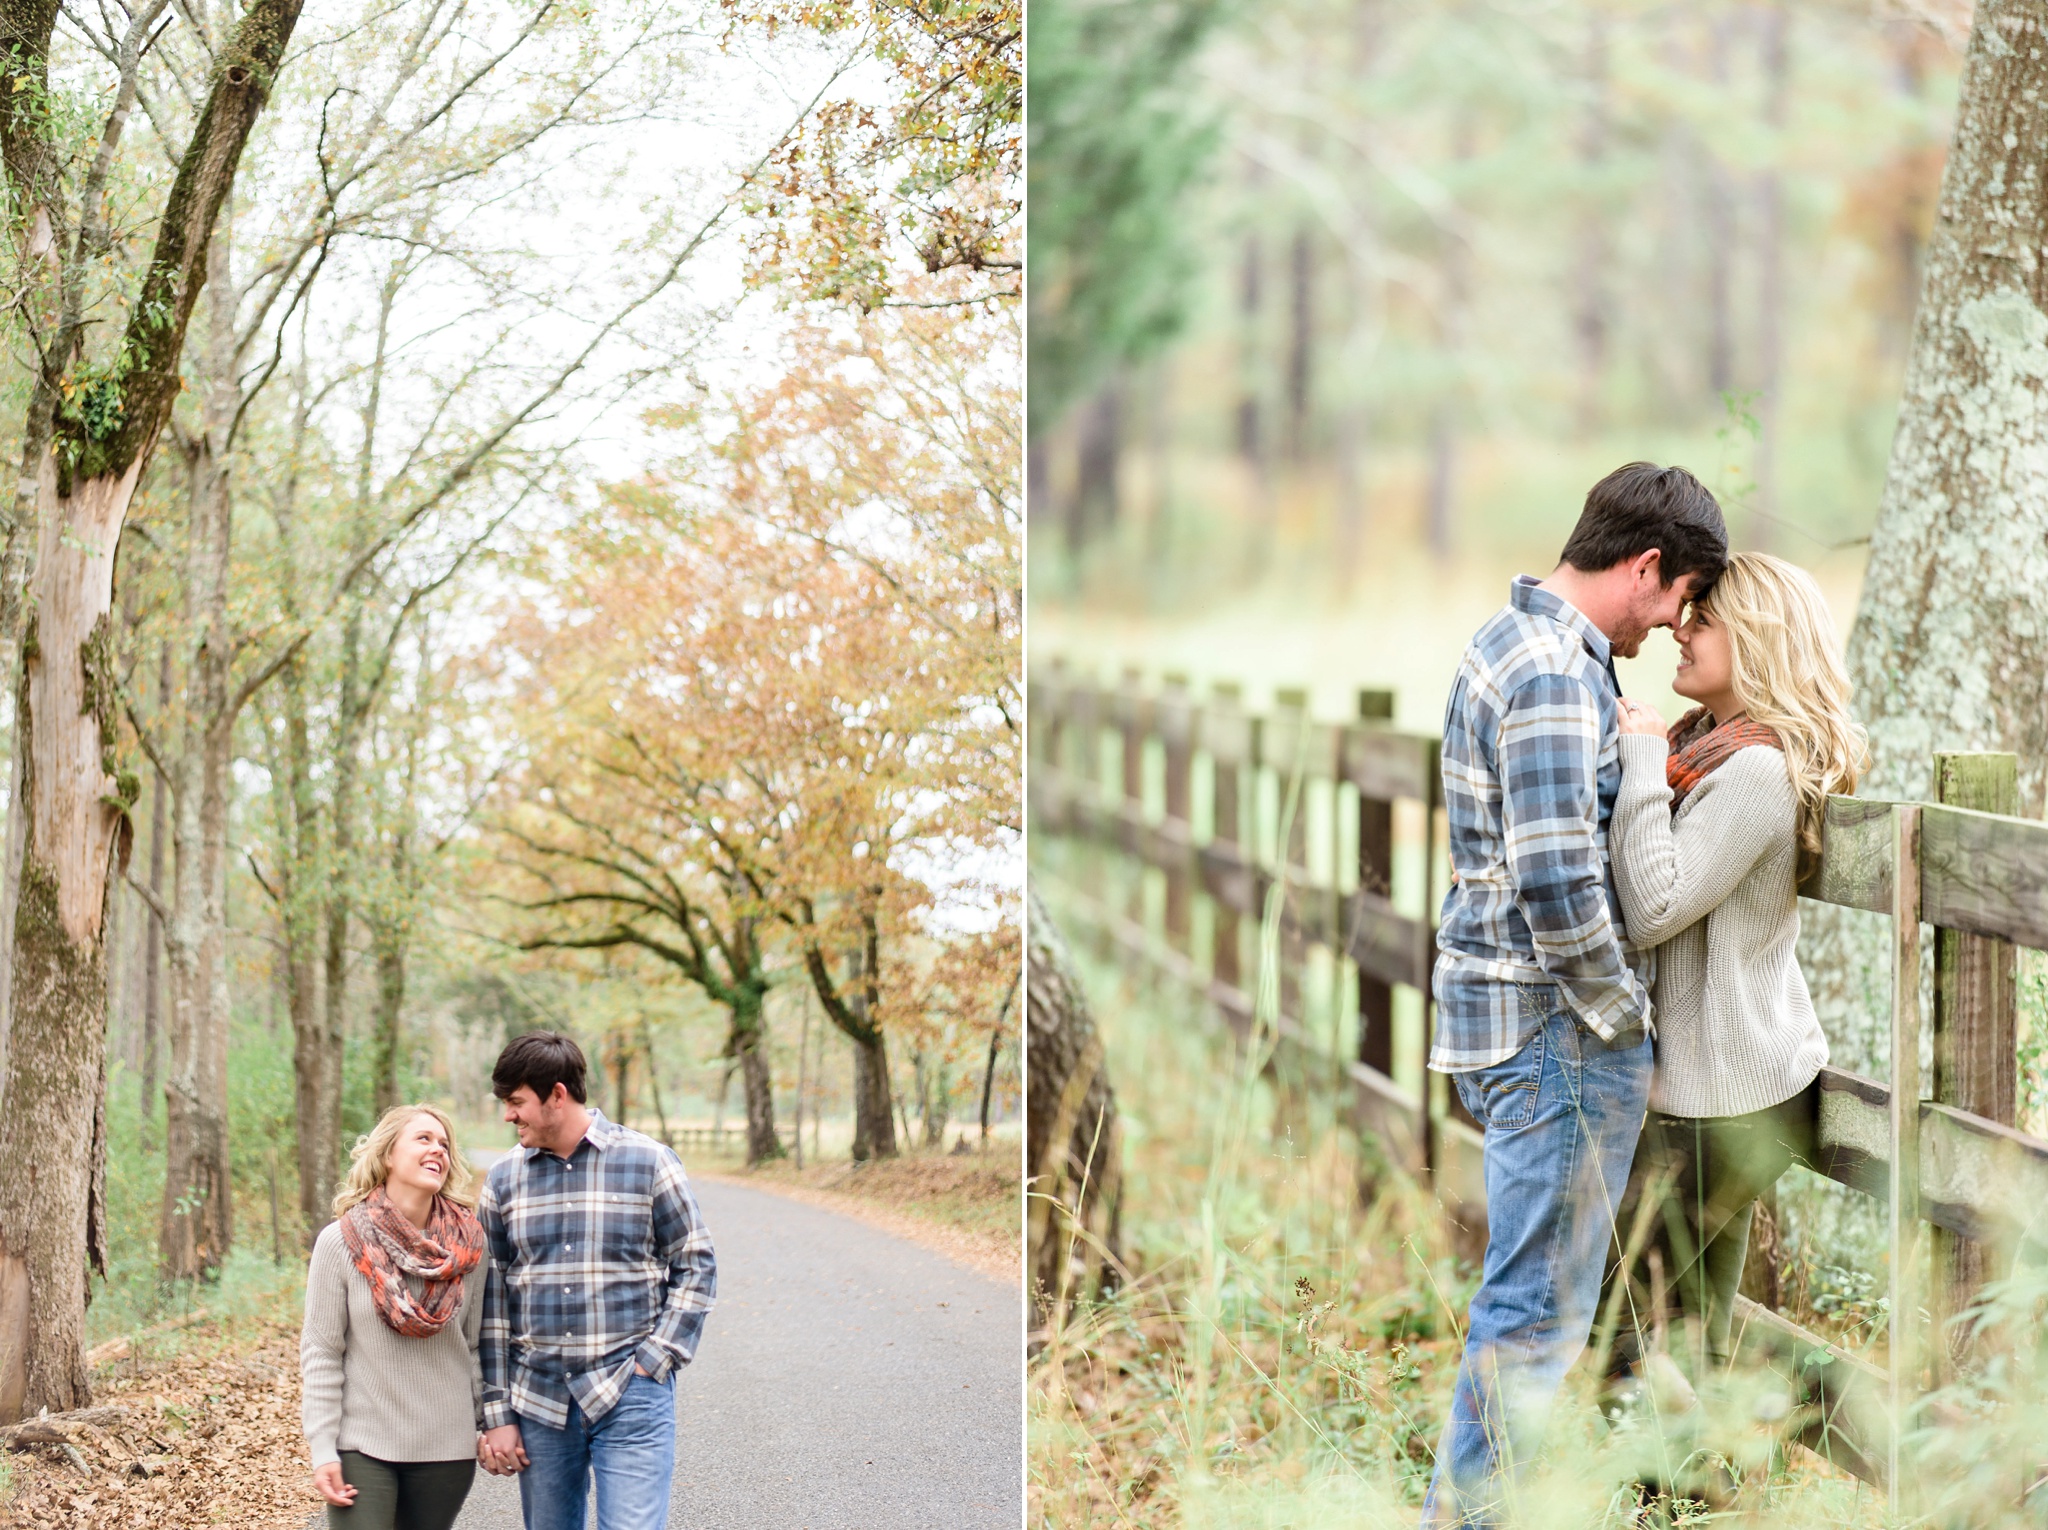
[(499, 1451), (1639, 719)]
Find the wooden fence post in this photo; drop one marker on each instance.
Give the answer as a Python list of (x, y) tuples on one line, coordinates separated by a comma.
[(1175, 716), (1976, 1041), (1227, 785), (1376, 876), (1903, 1190), (1133, 712), (1290, 743)]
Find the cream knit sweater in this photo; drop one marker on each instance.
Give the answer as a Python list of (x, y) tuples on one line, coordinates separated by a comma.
[(371, 1390), (1714, 889)]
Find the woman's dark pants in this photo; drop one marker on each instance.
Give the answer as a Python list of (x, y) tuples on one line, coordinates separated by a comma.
[(1691, 1199), (401, 1495)]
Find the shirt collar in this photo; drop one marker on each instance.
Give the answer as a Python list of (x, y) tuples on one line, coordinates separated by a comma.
[(1527, 595), (600, 1134)]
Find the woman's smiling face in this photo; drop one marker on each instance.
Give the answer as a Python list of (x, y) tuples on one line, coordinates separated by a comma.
[(419, 1158), (1706, 668)]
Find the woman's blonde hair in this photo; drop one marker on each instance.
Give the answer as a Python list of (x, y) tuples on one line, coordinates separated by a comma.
[(1788, 675), (369, 1161)]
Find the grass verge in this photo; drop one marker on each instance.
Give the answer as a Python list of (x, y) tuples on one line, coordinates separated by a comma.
[(967, 1206)]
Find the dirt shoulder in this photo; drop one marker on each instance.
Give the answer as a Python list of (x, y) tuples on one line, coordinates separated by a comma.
[(967, 1207), (207, 1437)]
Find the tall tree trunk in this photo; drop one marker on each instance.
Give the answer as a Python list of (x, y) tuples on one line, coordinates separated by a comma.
[(1590, 296), (316, 1045), (338, 884), (874, 1116), (196, 1227), (1098, 501), (1770, 317), (750, 1046), (1440, 494), (153, 953), (1071, 1141), (856, 1012), (390, 951), (1301, 340), (1950, 645), (74, 798), (1718, 222), (196, 1224)]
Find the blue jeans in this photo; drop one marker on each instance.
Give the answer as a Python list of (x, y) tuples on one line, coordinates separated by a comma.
[(1561, 1117), (632, 1449)]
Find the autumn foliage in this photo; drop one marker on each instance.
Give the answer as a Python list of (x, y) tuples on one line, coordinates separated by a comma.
[(769, 702)]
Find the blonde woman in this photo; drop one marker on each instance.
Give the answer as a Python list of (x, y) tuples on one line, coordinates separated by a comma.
[(1716, 818), (394, 1302)]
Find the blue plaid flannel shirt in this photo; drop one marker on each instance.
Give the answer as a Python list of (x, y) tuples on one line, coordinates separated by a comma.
[(599, 1261), (1531, 763)]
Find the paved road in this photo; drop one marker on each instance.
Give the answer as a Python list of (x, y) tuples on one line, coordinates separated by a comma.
[(847, 1381)]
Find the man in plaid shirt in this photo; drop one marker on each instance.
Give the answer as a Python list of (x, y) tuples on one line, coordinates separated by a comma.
[(601, 1276), (1543, 1009)]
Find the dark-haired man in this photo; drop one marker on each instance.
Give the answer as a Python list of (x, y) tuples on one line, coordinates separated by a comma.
[(601, 1276), (1543, 1009)]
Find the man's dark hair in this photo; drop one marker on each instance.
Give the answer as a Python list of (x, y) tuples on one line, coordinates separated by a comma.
[(540, 1060), (1643, 506)]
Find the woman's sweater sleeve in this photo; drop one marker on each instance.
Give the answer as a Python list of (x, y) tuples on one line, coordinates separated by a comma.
[(323, 1347), (1672, 875)]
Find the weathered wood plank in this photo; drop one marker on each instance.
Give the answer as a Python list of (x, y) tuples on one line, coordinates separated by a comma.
[(1902, 1205), (1384, 1108), (1840, 1400), (1387, 945), (1290, 738), (1855, 868), (1976, 1040), (1375, 868), (1978, 1179), (1387, 766), (1230, 734), (1985, 874)]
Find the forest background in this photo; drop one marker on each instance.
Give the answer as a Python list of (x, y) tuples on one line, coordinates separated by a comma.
[(523, 501), (1336, 311)]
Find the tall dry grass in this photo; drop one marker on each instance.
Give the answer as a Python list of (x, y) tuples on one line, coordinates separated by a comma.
[(1282, 1351)]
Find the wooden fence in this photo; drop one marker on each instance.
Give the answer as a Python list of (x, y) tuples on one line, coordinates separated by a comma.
[(1193, 789), (714, 1140)]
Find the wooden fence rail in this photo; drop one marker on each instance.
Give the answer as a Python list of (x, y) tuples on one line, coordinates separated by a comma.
[(1205, 792)]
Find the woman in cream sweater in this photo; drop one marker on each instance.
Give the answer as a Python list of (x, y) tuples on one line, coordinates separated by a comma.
[(1716, 819), (394, 1301)]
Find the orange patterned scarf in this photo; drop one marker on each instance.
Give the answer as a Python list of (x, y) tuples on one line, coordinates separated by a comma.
[(1698, 748), (386, 1248)]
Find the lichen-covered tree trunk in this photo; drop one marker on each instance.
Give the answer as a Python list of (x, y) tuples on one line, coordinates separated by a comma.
[(1950, 644), (74, 797), (1071, 1143)]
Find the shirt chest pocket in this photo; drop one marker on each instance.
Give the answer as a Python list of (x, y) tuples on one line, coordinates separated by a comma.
[(625, 1228)]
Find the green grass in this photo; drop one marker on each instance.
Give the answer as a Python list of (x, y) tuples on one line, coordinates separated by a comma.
[(1284, 1350)]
